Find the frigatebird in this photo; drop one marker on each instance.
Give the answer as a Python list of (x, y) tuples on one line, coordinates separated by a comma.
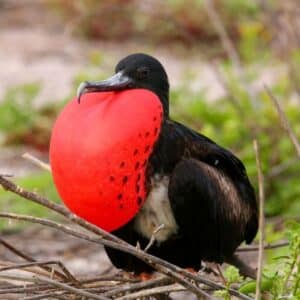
[(199, 199)]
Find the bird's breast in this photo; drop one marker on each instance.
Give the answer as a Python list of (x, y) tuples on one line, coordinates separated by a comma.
[(156, 213)]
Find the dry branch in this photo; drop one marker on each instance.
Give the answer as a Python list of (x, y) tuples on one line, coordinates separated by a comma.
[(20, 253), (153, 291), (261, 199), (68, 274), (187, 279), (266, 247), (69, 288), (37, 161), (284, 121), (229, 48)]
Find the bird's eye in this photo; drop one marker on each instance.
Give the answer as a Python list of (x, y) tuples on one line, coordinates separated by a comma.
[(142, 72)]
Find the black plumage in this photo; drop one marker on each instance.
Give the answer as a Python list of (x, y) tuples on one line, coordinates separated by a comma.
[(200, 188)]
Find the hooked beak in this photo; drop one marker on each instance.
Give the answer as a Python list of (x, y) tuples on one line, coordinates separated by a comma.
[(117, 82)]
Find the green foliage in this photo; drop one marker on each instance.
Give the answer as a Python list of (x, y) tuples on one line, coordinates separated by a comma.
[(281, 278), (21, 122), (231, 275), (41, 183), (287, 267), (16, 109), (250, 286)]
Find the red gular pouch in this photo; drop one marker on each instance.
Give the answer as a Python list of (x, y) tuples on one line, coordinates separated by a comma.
[(99, 151)]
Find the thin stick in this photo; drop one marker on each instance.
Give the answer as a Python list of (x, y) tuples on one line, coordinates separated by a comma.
[(137, 286), (116, 243), (15, 250), (27, 289), (28, 258), (284, 121), (68, 274), (157, 263), (69, 288), (37, 161), (51, 295), (106, 238), (228, 46), (10, 186), (261, 198), (266, 247), (153, 291), (232, 97), (244, 269), (153, 236)]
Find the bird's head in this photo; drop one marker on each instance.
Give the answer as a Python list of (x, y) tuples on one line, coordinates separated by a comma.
[(135, 71)]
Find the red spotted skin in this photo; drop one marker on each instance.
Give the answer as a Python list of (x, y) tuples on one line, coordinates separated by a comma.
[(99, 151)]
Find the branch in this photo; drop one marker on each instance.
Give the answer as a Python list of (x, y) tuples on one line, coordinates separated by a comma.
[(261, 221), (266, 247), (180, 275), (68, 274), (140, 285), (157, 263), (30, 259), (244, 269), (37, 161), (284, 121), (229, 48), (153, 291), (69, 288), (153, 236)]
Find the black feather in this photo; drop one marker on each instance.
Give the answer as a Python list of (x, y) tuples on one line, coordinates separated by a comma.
[(211, 197)]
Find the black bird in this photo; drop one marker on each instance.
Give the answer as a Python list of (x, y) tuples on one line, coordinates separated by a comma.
[(198, 190)]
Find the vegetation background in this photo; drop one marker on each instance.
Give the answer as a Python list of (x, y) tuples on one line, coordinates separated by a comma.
[(220, 56)]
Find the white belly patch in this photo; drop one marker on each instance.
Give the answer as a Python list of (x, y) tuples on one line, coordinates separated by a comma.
[(156, 212)]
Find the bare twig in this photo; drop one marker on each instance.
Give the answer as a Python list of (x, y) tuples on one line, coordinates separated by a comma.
[(180, 275), (28, 258), (15, 250), (232, 98), (229, 48), (244, 269), (153, 236), (220, 274), (261, 198), (157, 263), (69, 288), (9, 185), (137, 286), (266, 247), (50, 295), (225, 39), (153, 291), (284, 121), (68, 274), (163, 266), (282, 167), (37, 161), (26, 289)]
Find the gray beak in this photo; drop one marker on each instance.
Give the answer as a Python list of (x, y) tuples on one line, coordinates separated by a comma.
[(117, 82)]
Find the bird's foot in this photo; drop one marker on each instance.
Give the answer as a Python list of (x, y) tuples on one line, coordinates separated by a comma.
[(144, 276), (191, 270)]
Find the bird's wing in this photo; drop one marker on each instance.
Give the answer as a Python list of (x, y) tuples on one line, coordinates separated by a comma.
[(212, 170)]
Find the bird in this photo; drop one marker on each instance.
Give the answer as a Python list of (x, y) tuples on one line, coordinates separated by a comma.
[(199, 203)]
